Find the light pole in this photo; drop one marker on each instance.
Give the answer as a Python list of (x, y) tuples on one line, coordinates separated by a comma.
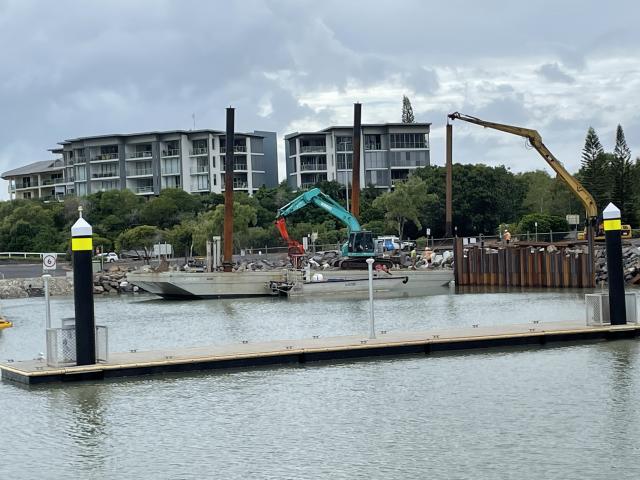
[(536, 224)]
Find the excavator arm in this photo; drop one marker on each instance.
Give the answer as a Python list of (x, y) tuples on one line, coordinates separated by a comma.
[(536, 142), (324, 201)]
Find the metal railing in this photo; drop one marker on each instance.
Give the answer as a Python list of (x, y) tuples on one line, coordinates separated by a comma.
[(312, 148), (105, 175), (305, 167), (144, 154), (408, 163), (172, 152), (199, 151), (236, 149), (199, 187), (145, 189), (199, 170), (236, 166), (139, 172), (26, 254), (171, 171), (105, 156), (79, 159), (345, 165), (27, 185)]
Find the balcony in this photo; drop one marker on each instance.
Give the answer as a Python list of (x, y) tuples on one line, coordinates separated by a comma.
[(199, 187), (23, 185), (171, 152), (105, 175), (200, 170), (105, 157), (236, 149), (144, 190), (143, 154), (403, 163), (171, 171), (305, 167), (12, 188), (78, 160), (313, 148), (199, 151), (236, 166), (345, 165), (140, 172)]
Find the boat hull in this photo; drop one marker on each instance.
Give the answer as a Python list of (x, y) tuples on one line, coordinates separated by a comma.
[(183, 285), (339, 286)]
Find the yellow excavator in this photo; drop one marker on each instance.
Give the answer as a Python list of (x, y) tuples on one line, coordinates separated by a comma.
[(535, 140)]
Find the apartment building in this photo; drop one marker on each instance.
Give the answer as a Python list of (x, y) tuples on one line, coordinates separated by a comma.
[(389, 152), (43, 180), (146, 163)]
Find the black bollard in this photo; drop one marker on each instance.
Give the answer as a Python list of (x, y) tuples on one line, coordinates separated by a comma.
[(82, 248), (613, 237)]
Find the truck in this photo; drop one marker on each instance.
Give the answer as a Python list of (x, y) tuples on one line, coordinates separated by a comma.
[(360, 244)]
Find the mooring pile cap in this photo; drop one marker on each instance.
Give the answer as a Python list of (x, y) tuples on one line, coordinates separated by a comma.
[(81, 228), (611, 211)]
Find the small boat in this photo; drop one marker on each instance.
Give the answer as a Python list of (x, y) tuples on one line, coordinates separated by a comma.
[(4, 323), (319, 285)]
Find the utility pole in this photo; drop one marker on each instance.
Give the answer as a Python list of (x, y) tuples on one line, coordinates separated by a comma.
[(355, 142)]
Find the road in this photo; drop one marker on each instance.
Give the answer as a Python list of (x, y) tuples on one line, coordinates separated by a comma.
[(30, 270)]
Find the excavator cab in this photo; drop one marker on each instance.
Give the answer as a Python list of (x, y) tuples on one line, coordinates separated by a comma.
[(361, 243)]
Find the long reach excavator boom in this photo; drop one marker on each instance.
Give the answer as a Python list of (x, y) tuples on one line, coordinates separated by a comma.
[(536, 142)]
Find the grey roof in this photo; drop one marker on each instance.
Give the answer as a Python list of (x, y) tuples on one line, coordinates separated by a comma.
[(364, 125), (36, 167), (141, 134)]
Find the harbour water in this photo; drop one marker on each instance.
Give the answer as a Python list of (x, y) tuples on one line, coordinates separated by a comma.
[(563, 412)]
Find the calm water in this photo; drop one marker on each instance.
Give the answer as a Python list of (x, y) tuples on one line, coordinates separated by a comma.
[(567, 413)]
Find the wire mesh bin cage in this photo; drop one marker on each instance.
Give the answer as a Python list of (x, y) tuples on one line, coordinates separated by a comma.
[(61, 345), (597, 308)]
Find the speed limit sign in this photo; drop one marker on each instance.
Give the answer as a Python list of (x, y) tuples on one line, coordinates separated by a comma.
[(49, 261)]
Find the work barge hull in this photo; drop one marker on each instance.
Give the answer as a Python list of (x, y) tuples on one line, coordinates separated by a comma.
[(199, 285)]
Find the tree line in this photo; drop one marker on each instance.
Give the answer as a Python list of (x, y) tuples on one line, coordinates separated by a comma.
[(484, 198)]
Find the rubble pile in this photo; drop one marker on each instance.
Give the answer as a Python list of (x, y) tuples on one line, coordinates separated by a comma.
[(34, 287), (630, 265), (112, 281)]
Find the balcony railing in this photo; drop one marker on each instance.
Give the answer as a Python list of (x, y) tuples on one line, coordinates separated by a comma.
[(408, 163), (144, 189), (307, 185), (236, 166), (345, 165), (172, 152), (27, 185), (304, 167), (144, 154), (200, 170), (236, 149), (105, 174), (12, 188), (79, 159), (312, 148), (198, 187), (105, 156), (138, 172), (171, 171), (200, 151), (373, 146)]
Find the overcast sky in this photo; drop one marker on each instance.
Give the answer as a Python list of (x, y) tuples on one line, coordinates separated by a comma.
[(72, 68)]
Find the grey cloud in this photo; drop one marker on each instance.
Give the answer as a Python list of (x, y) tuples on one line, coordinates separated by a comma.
[(554, 73)]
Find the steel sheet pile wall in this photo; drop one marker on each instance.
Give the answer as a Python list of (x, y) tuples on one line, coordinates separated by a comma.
[(521, 266)]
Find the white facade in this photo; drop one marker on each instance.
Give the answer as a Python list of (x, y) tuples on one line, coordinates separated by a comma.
[(388, 154)]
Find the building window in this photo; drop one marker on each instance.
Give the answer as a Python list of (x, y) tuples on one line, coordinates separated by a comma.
[(409, 140), (292, 147), (372, 142), (344, 144)]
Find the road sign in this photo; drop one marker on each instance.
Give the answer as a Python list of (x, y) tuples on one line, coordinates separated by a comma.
[(49, 261), (573, 219), (428, 232)]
